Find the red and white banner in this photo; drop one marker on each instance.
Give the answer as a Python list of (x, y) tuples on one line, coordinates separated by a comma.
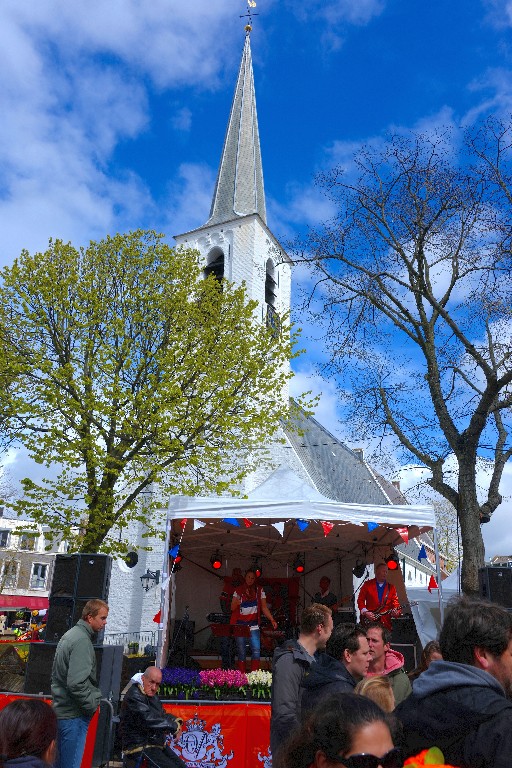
[(223, 735)]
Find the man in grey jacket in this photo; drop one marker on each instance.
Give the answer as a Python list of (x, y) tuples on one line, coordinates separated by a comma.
[(290, 664), (75, 691)]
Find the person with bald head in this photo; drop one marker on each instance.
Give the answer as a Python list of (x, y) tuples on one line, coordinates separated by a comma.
[(145, 725)]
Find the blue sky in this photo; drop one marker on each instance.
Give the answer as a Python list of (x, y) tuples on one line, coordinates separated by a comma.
[(113, 114)]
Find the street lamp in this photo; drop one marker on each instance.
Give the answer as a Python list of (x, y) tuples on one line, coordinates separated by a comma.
[(150, 579)]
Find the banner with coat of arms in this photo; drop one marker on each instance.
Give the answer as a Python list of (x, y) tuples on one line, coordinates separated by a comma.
[(217, 735)]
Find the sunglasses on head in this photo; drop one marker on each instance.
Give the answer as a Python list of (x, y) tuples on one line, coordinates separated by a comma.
[(392, 759)]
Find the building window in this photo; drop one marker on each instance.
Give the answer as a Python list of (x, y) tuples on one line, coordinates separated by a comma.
[(28, 541), (38, 578), (4, 539), (10, 575)]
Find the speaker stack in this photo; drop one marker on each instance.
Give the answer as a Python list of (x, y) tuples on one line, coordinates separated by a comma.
[(76, 579), (496, 585)]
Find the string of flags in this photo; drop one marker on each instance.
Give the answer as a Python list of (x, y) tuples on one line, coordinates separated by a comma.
[(302, 524)]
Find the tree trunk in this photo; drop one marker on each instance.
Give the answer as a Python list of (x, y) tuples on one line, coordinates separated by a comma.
[(471, 537)]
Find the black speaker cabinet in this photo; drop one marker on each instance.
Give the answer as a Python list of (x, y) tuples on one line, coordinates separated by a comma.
[(410, 654), (404, 630), (63, 613), (109, 661), (496, 585), (81, 576), (65, 575), (94, 577)]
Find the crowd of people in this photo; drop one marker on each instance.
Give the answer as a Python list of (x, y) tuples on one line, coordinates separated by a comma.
[(340, 696)]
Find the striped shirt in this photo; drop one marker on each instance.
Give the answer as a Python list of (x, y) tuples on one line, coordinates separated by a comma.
[(248, 609)]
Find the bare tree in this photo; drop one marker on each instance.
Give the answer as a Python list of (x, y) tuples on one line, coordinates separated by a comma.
[(412, 285)]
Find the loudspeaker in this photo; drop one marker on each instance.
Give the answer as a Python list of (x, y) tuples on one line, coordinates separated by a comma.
[(408, 651), (76, 579), (109, 661), (65, 575), (63, 613), (81, 576), (496, 585), (94, 577), (404, 630)]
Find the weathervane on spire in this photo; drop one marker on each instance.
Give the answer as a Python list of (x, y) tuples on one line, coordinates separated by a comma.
[(250, 5)]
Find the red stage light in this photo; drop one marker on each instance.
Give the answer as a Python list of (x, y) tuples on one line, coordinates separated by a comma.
[(216, 561), (392, 562)]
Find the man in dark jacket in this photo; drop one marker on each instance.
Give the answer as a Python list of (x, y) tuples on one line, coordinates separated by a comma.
[(460, 704), (75, 691), (145, 725), (290, 663), (340, 669)]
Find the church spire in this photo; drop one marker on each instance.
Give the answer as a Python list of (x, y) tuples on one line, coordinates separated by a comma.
[(239, 188)]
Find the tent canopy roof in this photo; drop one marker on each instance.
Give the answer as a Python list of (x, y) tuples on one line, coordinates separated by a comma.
[(285, 497)]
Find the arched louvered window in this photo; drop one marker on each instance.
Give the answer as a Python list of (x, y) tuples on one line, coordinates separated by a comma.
[(215, 264), (270, 284)]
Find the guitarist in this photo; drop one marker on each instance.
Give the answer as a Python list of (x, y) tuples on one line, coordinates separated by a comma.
[(378, 600)]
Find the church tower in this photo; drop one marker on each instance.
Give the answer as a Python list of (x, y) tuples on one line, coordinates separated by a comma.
[(235, 243)]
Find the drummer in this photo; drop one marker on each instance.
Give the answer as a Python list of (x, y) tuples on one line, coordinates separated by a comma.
[(325, 596)]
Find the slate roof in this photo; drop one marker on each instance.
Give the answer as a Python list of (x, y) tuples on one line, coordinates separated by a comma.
[(239, 189), (337, 472)]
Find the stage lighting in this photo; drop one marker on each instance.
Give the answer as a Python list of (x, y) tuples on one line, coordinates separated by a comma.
[(258, 570), (359, 569), (392, 562), (298, 564), (216, 561)]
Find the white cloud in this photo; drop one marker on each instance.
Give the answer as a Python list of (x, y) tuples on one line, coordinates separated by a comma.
[(182, 119), (189, 198)]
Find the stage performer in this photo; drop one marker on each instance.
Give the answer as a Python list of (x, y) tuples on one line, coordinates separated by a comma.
[(325, 596), (248, 603), (377, 600)]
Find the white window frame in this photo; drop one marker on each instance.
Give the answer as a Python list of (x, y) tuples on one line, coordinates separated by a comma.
[(44, 578), (7, 532)]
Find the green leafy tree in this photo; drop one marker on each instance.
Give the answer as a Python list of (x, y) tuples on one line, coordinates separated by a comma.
[(128, 371), (413, 281)]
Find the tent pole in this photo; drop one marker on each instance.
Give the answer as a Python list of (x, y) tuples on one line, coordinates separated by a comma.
[(438, 572), (164, 602)]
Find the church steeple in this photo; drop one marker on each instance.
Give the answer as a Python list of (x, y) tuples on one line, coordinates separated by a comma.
[(239, 188)]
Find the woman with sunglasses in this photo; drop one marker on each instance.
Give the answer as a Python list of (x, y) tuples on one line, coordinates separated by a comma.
[(344, 730)]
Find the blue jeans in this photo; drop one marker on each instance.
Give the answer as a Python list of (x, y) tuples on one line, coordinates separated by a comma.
[(255, 645), (71, 737)]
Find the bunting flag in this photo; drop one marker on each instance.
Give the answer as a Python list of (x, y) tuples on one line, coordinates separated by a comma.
[(303, 524), (157, 617), (174, 551), (372, 526), (198, 524), (231, 521), (247, 522), (279, 527), (183, 522), (327, 527), (432, 584), (404, 533), (422, 553)]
